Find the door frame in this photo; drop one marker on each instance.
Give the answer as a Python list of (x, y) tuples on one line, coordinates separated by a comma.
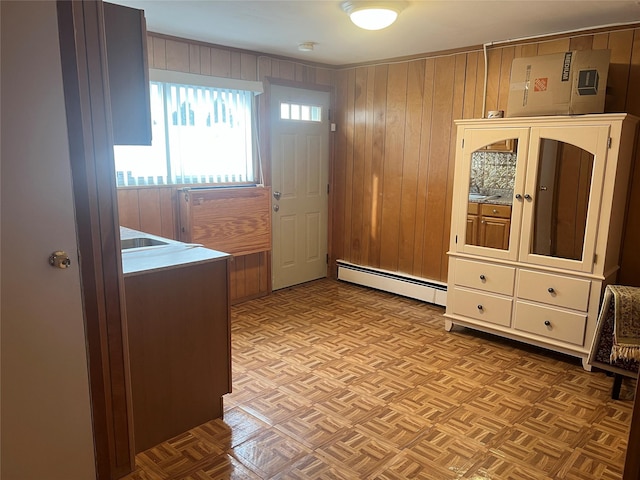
[(88, 108), (264, 121)]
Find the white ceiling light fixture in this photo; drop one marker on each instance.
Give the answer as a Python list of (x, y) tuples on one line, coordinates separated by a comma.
[(307, 46), (373, 15)]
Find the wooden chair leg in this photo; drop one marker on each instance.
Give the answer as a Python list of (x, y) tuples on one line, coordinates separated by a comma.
[(617, 383)]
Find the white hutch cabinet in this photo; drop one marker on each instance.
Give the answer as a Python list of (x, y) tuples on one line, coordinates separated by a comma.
[(565, 180)]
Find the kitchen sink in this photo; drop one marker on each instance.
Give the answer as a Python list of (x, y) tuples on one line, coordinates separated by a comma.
[(140, 242), (476, 197)]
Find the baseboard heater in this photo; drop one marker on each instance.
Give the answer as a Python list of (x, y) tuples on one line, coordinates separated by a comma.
[(400, 284)]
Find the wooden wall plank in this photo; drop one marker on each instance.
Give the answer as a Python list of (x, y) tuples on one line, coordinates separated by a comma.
[(338, 187), (265, 272), (159, 53), (494, 68), (359, 160), (621, 45), (168, 213), (505, 76), (632, 97), (194, 58), (470, 83), (252, 274), (248, 67), (286, 70), (392, 174), (150, 51), (128, 208), (630, 260), (377, 160), (457, 107), (150, 212), (479, 94), (264, 67), (438, 169), (554, 46), (220, 62), (410, 165), (205, 60), (324, 76), (239, 274), (349, 128), (177, 56), (423, 166), (584, 42), (367, 176), (236, 65)]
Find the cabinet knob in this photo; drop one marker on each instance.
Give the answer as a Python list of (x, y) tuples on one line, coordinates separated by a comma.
[(528, 197), (518, 196), (495, 210), (480, 307), (483, 278), (547, 323), (551, 290)]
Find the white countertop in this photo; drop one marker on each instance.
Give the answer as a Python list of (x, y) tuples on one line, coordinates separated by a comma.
[(173, 255)]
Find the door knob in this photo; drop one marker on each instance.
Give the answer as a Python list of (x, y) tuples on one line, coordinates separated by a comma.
[(277, 195), (59, 259), (276, 208)]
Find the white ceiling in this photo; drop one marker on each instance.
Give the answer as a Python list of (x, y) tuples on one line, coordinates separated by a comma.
[(278, 27)]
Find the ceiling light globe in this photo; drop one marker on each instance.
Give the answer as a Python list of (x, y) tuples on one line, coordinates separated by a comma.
[(373, 18)]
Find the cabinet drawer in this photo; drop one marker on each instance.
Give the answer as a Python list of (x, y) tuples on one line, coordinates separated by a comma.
[(473, 209), (492, 210), (482, 306), (554, 289), (550, 322), (485, 276)]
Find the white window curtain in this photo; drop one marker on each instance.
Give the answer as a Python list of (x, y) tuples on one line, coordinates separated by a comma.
[(201, 134)]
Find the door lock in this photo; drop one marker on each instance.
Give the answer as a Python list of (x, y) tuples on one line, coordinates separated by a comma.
[(277, 195), (59, 259)]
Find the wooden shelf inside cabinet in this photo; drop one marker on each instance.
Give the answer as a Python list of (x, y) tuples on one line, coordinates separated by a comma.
[(126, 36)]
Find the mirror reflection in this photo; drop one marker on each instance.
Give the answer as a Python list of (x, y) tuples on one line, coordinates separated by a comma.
[(562, 190), (493, 170)]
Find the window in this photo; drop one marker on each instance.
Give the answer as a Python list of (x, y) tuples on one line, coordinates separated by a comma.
[(200, 135), (304, 113)]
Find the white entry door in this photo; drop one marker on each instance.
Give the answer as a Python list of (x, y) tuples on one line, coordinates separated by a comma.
[(300, 182)]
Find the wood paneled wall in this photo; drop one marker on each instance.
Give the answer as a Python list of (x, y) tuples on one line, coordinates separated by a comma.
[(393, 152), (394, 149)]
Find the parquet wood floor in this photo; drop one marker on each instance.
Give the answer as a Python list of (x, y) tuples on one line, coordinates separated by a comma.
[(336, 381)]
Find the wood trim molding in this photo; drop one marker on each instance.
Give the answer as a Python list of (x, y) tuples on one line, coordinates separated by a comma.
[(632, 459), (83, 55)]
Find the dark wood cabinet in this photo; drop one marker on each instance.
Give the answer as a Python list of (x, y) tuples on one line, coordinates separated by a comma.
[(488, 225), (179, 347), (494, 225), (126, 36)]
